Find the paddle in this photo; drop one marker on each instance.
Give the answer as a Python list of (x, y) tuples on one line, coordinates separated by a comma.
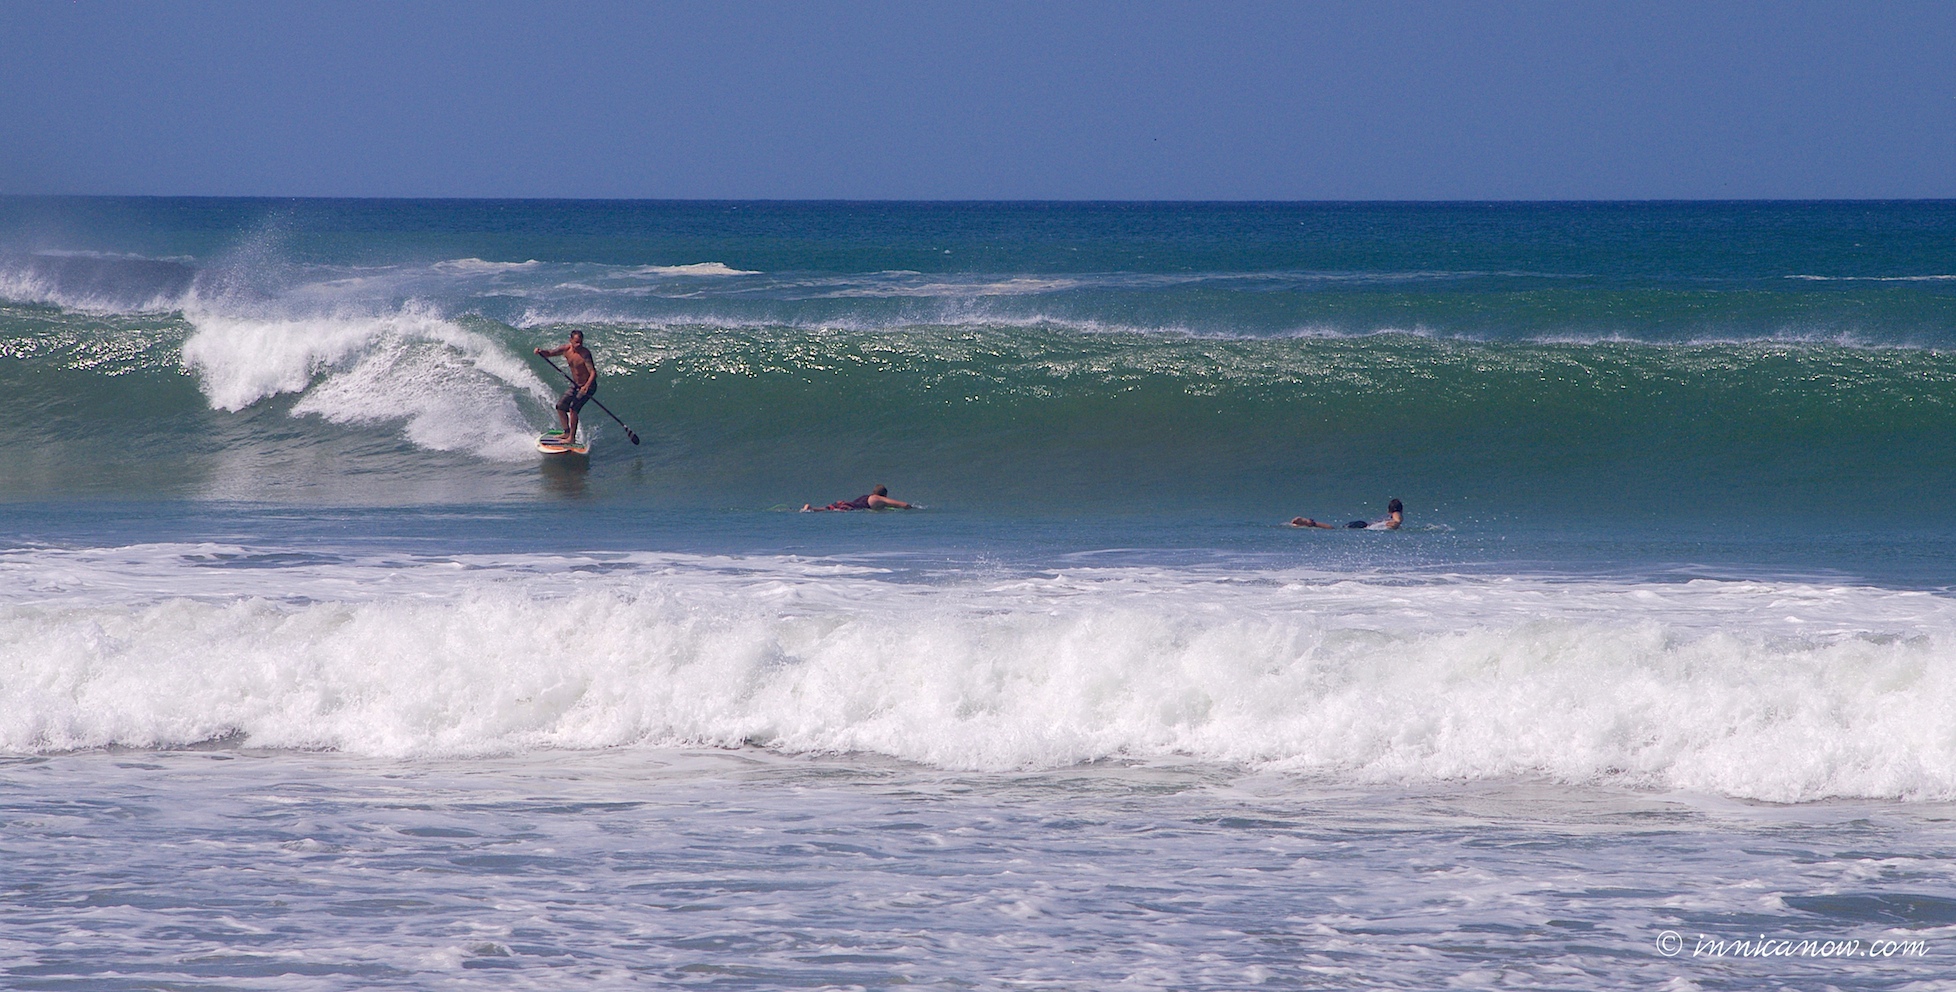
[(628, 428)]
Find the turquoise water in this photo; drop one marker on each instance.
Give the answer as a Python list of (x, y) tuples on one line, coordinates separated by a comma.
[(1589, 375), (1665, 645)]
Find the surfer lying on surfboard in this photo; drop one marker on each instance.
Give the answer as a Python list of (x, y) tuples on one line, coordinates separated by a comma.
[(584, 380), (875, 499), (1395, 515)]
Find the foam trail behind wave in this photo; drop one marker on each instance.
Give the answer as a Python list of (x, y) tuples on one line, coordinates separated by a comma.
[(1782, 692)]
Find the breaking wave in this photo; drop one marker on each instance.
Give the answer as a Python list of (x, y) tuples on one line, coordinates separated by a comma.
[(1774, 691)]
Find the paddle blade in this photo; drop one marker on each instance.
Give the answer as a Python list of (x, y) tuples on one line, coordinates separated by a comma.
[(629, 434)]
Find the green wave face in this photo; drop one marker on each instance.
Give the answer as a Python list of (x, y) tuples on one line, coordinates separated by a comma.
[(1050, 417), (1004, 419)]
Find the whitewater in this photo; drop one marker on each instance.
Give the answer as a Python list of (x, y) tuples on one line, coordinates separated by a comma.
[(314, 675), (1779, 691)]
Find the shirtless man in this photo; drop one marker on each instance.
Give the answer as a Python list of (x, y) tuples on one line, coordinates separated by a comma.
[(875, 499), (584, 381), (1395, 515)]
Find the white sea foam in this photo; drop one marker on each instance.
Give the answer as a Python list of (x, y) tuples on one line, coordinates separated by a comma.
[(477, 266), (1923, 278), (1773, 691), (451, 388), (1012, 286), (552, 316), (695, 269)]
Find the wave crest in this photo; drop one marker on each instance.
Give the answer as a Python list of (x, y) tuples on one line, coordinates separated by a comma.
[(455, 389)]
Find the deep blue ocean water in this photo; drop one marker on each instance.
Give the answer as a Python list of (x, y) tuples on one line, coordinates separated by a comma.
[(314, 673)]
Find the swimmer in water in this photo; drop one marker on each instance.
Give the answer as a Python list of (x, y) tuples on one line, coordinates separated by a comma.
[(1395, 515), (875, 499)]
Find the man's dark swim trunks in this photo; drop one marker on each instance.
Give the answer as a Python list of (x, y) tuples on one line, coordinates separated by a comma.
[(572, 401)]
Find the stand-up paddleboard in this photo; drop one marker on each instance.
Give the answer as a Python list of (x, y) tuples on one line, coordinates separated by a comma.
[(553, 442)]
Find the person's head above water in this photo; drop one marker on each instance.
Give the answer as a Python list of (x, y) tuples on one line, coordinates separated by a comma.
[(880, 491), (577, 337), (1395, 506)]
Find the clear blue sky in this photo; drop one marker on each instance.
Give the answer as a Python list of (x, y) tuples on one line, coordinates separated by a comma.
[(925, 100)]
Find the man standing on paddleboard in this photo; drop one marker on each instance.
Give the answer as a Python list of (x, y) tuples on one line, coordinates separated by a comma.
[(584, 381)]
